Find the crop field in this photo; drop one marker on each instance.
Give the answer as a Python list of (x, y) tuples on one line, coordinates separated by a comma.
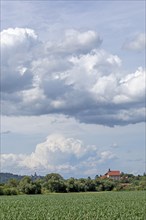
[(75, 206)]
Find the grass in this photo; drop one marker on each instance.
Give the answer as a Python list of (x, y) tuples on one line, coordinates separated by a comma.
[(75, 206)]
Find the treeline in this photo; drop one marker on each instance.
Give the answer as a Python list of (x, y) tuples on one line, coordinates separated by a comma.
[(56, 183)]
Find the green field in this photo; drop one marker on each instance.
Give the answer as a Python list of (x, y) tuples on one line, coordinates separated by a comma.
[(75, 206)]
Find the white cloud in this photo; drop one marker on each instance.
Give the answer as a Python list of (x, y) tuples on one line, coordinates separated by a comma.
[(106, 155), (58, 154), (84, 81), (12, 37), (75, 41), (132, 87), (11, 162), (136, 44)]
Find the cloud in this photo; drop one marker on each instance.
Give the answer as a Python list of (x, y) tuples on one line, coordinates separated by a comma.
[(106, 155), (18, 36), (17, 53), (76, 41), (11, 162), (72, 76), (5, 132), (137, 44), (132, 87), (114, 145), (58, 154)]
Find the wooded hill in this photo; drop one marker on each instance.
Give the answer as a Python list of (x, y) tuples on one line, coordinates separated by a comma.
[(5, 177)]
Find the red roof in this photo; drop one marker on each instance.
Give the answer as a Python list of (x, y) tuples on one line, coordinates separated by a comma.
[(114, 173)]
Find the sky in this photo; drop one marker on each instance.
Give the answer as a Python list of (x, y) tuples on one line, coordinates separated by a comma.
[(72, 87)]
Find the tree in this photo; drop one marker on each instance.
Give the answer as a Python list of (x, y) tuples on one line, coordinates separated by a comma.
[(108, 185), (72, 185), (27, 186), (54, 176), (55, 185), (13, 182)]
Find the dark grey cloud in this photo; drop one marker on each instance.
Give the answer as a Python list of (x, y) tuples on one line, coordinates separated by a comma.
[(15, 82)]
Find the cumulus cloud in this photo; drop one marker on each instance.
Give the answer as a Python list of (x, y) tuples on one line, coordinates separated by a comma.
[(106, 155), (18, 36), (136, 44), (75, 41), (17, 53), (72, 76), (58, 154), (11, 161)]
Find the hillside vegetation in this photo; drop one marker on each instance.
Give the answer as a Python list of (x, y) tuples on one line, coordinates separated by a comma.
[(56, 183)]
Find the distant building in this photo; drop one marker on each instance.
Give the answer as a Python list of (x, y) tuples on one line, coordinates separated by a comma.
[(112, 174)]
